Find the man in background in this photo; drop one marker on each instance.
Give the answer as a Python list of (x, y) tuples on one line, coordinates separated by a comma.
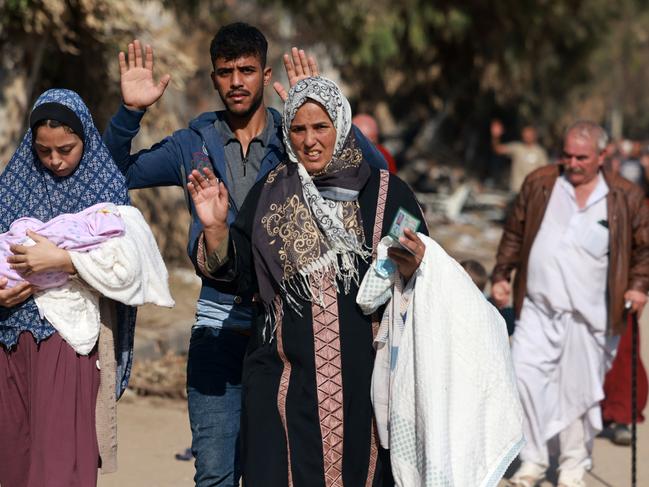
[(578, 239), (526, 155), (367, 124)]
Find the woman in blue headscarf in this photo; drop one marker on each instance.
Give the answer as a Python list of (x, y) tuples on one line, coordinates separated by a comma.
[(48, 392)]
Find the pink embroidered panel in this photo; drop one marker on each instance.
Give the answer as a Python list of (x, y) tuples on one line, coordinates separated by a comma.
[(326, 334), (282, 392)]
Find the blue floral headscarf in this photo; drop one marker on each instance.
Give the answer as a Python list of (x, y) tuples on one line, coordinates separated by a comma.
[(27, 188)]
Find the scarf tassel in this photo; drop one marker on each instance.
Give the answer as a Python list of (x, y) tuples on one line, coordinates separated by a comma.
[(273, 315)]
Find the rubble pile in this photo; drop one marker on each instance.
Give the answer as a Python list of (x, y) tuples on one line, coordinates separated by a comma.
[(466, 219), (164, 376)]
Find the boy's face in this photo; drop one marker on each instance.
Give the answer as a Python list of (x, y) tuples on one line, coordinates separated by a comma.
[(240, 83), (58, 150)]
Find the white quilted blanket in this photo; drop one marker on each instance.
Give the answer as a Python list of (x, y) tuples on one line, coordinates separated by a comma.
[(455, 419), (128, 269)]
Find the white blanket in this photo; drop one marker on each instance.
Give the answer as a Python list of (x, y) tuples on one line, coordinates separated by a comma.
[(454, 414), (128, 269)]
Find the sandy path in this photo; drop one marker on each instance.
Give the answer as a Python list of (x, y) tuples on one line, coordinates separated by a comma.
[(150, 432)]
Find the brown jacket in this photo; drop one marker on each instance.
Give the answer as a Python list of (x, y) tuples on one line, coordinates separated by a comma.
[(628, 223)]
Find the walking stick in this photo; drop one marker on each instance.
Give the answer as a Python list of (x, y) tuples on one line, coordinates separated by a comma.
[(633, 322)]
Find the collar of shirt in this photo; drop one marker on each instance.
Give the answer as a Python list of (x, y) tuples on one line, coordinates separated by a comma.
[(600, 191), (228, 136)]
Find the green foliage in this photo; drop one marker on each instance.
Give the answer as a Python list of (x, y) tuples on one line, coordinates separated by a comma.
[(518, 56), (619, 69), (13, 12), (17, 6), (461, 61)]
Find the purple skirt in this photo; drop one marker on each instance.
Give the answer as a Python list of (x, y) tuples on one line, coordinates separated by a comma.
[(47, 415)]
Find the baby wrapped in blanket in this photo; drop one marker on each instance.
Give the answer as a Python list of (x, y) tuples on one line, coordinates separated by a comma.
[(80, 232), (115, 255)]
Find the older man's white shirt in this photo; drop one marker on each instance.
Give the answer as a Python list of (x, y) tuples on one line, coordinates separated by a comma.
[(560, 348)]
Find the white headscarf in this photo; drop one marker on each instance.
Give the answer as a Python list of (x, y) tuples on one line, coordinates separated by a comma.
[(326, 93)]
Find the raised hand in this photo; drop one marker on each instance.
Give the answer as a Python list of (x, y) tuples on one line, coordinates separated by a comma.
[(14, 295), (139, 90), (210, 198), (298, 66), (496, 128)]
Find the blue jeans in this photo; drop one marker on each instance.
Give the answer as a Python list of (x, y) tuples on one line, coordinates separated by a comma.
[(214, 396)]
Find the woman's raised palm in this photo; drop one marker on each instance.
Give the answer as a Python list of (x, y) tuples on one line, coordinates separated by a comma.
[(210, 198)]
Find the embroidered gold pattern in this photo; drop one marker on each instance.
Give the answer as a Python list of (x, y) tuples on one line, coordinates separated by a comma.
[(351, 219), (293, 224), (270, 179), (350, 157)]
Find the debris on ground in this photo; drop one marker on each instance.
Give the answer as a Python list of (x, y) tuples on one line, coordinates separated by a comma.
[(164, 377)]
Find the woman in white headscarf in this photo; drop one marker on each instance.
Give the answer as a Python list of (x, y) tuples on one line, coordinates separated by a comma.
[(302, 243)]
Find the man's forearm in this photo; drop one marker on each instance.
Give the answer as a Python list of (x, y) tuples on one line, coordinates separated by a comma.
[(119, 134), (638, 282), (497, 146)]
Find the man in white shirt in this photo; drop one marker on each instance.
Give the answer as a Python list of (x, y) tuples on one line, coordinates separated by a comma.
[(579, 240), (526, 155)]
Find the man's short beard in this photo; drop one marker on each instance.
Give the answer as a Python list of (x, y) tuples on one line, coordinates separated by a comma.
[(256, 103)]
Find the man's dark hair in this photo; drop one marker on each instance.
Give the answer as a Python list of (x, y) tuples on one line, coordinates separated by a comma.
[(238, 39)]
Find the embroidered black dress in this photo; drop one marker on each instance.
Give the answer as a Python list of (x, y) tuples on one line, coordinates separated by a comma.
[(307, 417)]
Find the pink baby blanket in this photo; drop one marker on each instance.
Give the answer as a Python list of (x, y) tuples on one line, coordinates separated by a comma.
[(80, 232)]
